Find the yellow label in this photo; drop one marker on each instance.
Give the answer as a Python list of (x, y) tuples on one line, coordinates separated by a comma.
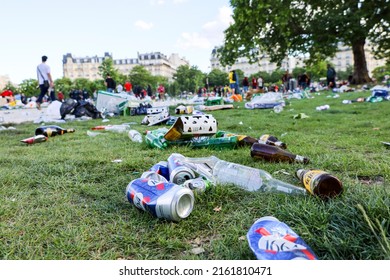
[(310, 179), (49, 132), (264, 137)]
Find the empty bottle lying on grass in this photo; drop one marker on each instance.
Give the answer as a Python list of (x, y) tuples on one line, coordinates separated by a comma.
[(251, 179), (34, 139), (52, 130)]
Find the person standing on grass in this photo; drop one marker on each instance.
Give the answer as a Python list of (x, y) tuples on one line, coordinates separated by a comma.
[(43, 74), (110, 83), (330, 77)]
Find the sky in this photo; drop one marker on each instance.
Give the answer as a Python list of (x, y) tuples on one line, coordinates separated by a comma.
[(33, 28)]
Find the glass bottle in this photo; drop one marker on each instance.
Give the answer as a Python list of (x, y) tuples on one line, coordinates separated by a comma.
[(34, 139), (272, 140), (248, 178), (52, 130), (274, 153), (320, 183), (155, 138)]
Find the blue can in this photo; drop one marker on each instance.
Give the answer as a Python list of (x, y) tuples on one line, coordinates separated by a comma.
[(162, 199), (161, 168), (270, 239)]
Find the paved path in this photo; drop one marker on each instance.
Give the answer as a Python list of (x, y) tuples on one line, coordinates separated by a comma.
[(17, 116)]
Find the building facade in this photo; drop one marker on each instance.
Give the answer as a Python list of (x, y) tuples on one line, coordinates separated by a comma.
[(342, 59), (88, 67), (4, 80)]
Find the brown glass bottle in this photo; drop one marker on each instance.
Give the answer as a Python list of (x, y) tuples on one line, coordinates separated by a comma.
[(244, 140), (320, 183), (274, 153), (52, 130), (272, 140)]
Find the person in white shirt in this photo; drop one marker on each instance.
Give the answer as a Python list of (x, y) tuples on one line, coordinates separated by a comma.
[(260, 83), (45, 80)]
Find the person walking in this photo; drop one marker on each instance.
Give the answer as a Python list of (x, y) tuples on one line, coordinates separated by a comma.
[(45, 80)]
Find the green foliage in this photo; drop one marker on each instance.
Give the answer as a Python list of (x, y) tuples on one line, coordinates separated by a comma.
[(218, 77), (10, 86), (107, 67), (379, 73), (140, 76), (189, 78), (29, 87), (280, 28)]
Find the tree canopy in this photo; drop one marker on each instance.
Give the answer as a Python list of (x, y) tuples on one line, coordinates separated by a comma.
[(315, 27)]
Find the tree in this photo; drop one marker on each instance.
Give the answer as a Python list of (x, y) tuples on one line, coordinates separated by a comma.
[(140, 76), (189, 79), (107, 67), (29, 87), (315, 27), (218, 77)]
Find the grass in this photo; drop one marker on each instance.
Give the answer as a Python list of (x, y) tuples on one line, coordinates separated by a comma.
[(65, 198)]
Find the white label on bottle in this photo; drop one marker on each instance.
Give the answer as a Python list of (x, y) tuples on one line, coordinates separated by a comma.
[(299, 158)]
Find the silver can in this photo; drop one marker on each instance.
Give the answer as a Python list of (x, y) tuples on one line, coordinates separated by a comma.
[(161, 199), (178, 173)]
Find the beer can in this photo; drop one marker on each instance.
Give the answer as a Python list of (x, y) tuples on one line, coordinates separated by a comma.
[(178, 173), (270, 239), (162, 199), (197, 185), (161, 168)]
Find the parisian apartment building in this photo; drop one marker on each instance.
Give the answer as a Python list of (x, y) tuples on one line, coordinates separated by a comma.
[(156, 63), (342, 59)]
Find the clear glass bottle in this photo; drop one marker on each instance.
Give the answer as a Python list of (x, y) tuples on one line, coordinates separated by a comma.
[(248, 178), (274, 153)]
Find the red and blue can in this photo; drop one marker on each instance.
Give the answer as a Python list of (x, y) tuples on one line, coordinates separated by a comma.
[(270, 239), (162, 199)]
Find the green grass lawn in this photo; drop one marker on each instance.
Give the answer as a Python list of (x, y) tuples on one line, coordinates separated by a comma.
[(65, 198)]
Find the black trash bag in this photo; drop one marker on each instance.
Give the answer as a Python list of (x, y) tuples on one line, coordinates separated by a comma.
[(85, 108), (68, 107)]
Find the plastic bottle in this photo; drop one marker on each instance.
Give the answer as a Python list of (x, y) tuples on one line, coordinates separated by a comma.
[(248, 178), (120, 128), (135, 136), (272, 140), (52, 130), (270, 239), (278, 109), (320, 183), (274, 153), (116, 128)]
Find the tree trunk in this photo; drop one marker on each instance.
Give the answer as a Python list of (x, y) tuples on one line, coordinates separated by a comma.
[(360, 73)]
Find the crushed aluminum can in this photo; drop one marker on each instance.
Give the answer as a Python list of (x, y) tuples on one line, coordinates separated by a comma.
[(163, 200), (162, 169), (270, 239), (178, 173)]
